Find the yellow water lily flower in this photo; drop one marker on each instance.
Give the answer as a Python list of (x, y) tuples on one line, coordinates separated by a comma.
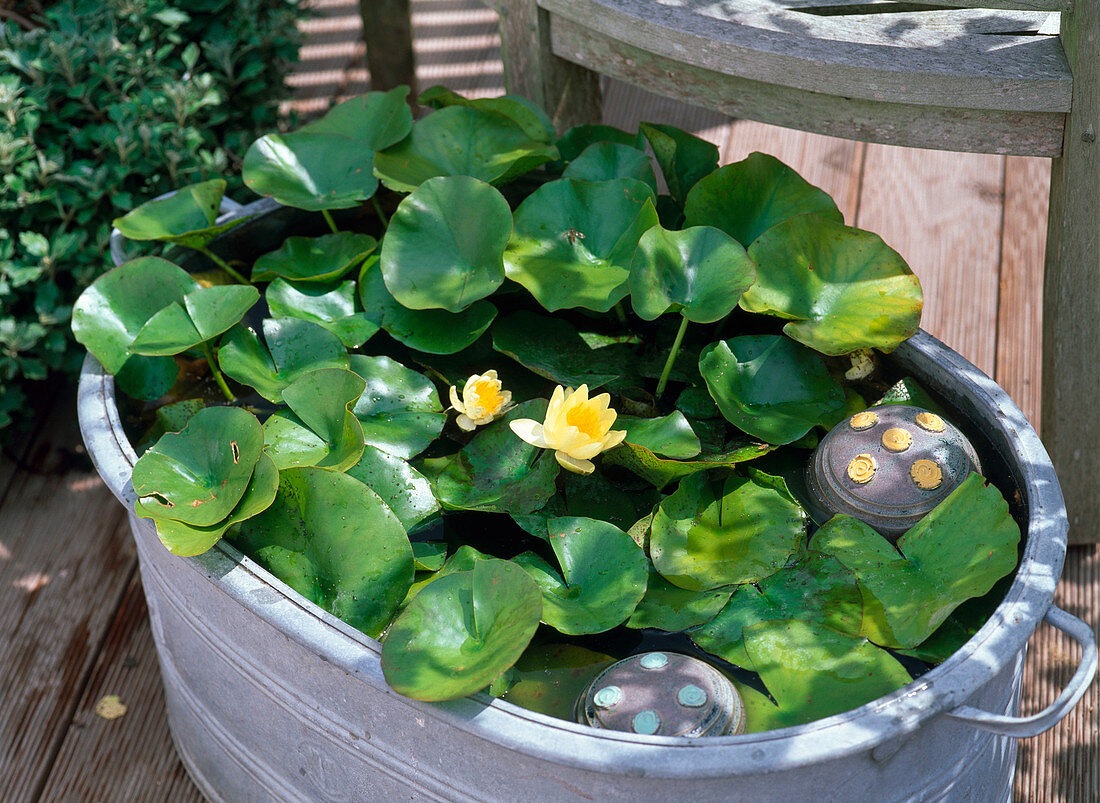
[(483, 399), (577, 428)]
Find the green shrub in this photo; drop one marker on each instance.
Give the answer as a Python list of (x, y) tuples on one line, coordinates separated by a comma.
[(107, 104)]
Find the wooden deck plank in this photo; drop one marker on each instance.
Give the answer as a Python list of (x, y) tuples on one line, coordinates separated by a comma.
[(942, 213), (88, 765), (1020, 309), (1063, 764), (63, 566)]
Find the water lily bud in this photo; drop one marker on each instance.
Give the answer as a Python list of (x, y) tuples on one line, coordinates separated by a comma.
[(576, 427), (483, 400)]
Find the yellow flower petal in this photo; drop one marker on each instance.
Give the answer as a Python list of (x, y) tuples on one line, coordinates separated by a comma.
[(455, 401), (466, 423), (571, 463), (531, 431)]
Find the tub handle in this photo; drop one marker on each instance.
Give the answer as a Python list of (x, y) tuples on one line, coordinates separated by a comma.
[(1023, 727), (118, 252)]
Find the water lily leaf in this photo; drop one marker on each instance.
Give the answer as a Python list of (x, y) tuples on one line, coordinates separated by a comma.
[(604, 161), (331, 305), (375, 119), (314, 259), (319, 429), (461, 141), (550, 677), (956, 552), (461, 632), (574, 141), (813, 671), (399, 409), (496, 471), (527, 115), (204, 314), (707, 535), (842, 288), (147, 378), (331, 539), (573, 241), (591, 496), (683, 157), (661, 471), (293, 347), (444, 248), (407, 492), (310, 171), (433, 331), (669, 436), (553, 348), (181, 538), (110, 313), (746, 198), (816, 589), (186, 218), (428, 556), (671, 608), (198, 476), (769, 386), (699, 272), (603, 576), (462, 560)]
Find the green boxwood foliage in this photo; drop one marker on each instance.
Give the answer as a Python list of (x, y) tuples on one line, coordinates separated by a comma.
[(103, 105)]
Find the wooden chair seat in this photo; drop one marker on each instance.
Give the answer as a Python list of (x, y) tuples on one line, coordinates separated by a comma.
[(978, 80)]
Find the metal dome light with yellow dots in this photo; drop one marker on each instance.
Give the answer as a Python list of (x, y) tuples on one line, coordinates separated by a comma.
[(889, 466)]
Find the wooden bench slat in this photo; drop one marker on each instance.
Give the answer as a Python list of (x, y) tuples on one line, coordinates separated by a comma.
[(980, 131), (950, 64)]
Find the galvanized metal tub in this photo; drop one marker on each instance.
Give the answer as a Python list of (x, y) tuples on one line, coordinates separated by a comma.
[(271, 698)]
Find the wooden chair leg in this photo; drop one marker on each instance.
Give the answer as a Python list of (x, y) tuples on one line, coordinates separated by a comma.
[(387, 33), (569, 93), (1071, 292)]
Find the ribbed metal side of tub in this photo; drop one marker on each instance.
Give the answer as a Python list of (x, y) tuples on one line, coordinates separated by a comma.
[(271, 698)]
